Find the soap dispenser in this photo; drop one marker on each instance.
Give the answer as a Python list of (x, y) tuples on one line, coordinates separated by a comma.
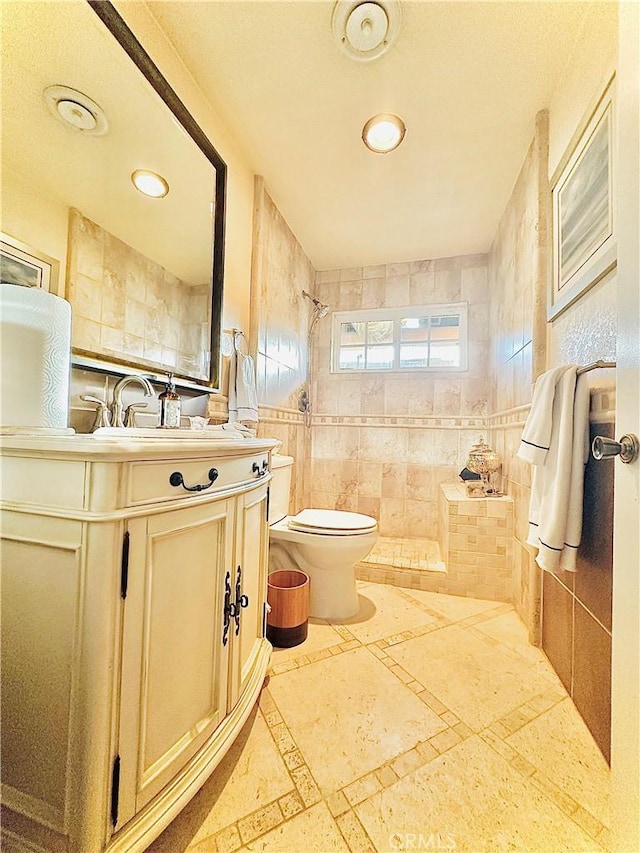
[(169, 411)]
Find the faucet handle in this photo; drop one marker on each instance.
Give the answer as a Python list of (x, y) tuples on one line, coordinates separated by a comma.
[(102, 412), (130, 413)]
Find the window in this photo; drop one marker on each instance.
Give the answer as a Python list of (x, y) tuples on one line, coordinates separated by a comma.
[(423, 337)]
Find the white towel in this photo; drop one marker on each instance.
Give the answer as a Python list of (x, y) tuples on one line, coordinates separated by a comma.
[(556, 440), (536, 435), (243, 400)]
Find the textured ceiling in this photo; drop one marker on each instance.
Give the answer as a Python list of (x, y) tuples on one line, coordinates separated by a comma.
[(467, 77)]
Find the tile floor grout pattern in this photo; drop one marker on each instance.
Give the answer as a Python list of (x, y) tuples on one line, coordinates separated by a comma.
[(350, 806), (407, 553)]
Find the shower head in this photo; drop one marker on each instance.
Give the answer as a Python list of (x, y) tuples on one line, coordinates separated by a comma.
[(320, 310)]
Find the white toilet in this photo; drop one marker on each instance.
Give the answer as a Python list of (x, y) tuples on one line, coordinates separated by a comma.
[(324, 543)]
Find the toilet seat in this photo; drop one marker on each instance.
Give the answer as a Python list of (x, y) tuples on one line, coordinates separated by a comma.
[(329, 522)]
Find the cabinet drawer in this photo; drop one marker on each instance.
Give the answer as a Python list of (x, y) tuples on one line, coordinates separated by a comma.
[(151, 481)]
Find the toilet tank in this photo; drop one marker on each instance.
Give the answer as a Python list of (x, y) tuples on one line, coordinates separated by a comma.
[(279, 487)]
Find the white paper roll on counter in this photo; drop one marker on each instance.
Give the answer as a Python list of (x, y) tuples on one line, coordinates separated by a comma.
[(35, 359)]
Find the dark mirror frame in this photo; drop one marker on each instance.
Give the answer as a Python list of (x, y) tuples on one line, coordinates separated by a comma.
[(127, 40)]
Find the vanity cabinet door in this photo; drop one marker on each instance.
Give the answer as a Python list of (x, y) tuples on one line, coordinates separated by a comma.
[(174, 663), (250, 589)]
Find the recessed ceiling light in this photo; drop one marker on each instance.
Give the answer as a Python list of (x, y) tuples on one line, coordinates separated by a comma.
[(383, 133), (150, 183)]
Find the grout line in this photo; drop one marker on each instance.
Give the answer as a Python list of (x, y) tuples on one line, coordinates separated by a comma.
[(438, 621), (341, 803), (496, 735)]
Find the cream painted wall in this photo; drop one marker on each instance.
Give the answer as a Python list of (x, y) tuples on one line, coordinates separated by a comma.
[(35, 219), (586, 331), (584, 78)]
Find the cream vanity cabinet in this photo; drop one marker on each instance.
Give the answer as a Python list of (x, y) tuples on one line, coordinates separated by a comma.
[(132, 627)]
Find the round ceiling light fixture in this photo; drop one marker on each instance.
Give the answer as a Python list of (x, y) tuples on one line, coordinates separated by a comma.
[(77, 110), (366, 30), (383, 133), (149, 183)]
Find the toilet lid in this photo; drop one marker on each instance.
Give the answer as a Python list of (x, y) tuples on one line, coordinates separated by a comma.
[(332, 522)]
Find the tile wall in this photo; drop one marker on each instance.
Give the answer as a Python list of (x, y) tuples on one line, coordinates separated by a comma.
[(476, 543), (144, 315), (569, 614), (278, 335), (382, 445), (576, 606), (518, 280)]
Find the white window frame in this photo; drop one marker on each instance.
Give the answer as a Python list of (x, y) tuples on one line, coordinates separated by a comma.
[(396, 315)]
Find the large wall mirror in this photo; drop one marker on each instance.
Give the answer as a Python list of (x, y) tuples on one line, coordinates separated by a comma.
[(144, 274)]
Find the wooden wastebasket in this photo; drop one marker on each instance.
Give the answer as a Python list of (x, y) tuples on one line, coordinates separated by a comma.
[(288, 597)]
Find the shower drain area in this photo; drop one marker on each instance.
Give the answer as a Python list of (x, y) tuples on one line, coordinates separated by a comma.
[(416, 554)]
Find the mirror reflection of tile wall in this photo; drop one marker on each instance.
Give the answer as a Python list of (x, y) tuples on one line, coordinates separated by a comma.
[(128, 308)]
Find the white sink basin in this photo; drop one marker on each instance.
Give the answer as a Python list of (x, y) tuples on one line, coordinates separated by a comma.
[(209, 434)]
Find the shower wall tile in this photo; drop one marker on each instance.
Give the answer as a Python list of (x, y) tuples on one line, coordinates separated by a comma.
[(422, 286), (380, 445), (392, 517), (420, 483), (447, 396), (128, 307), (394, 477), (368, 506), (351, 274), (407, 463), (517, 272), (421, 399), (476, 540), (335, 442), (349, 397), (373, 295), (448, 284), (372, 392), (369, 480), (396, 293), (278, 335), (433, 447), (334, 476), (396, 396), (280, 314), (376, 271)]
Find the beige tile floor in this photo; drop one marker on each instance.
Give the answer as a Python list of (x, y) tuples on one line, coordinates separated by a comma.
[(414, 553), (426, 722)]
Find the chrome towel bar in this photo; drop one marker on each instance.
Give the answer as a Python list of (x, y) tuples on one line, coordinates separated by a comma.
[(595, 365)]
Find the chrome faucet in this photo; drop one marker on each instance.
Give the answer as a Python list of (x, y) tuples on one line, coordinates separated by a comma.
[(117, 407)]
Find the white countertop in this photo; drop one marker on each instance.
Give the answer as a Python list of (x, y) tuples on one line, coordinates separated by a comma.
[(130, 446)]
